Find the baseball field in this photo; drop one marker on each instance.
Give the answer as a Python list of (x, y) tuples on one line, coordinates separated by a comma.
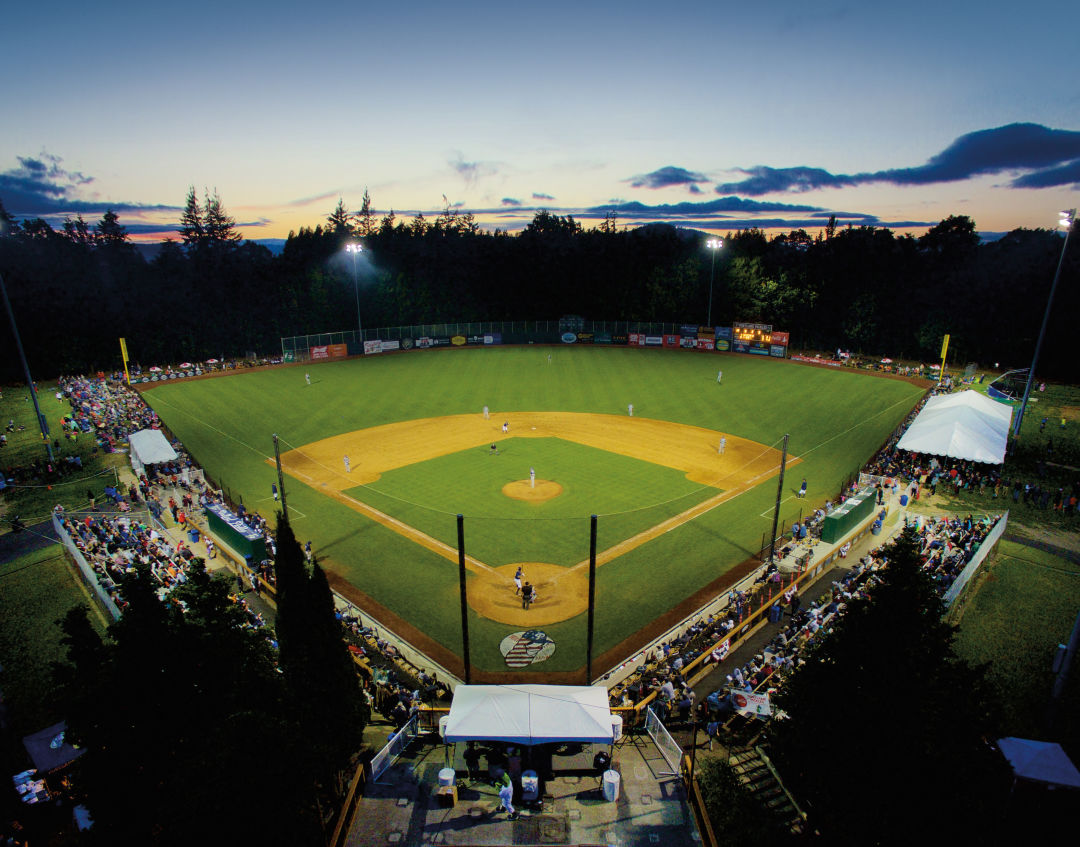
[(683, 488)]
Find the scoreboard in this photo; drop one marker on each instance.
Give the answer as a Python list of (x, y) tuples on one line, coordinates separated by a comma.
[(752, 338)]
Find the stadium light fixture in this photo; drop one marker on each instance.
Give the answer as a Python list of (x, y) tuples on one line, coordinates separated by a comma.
[(713, 244), (354, 249), (1066, 220)]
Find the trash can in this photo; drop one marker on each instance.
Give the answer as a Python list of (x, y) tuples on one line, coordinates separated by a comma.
[(530, 786), (903, 499), (193, 534), (876, 528), (611, 786), (447, 776)]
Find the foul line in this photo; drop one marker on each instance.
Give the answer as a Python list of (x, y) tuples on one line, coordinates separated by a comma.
[(400, 527)]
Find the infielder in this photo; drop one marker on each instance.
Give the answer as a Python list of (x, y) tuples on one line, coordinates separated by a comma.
[(346, 460), (532, 477), (630, 409), (487, 414), (723, 446), (506, 426)]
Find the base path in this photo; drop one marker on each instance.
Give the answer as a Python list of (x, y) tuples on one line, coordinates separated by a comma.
[(562, 592)]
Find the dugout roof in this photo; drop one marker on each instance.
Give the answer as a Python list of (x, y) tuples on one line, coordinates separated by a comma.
[(530, 714), (967, 425)]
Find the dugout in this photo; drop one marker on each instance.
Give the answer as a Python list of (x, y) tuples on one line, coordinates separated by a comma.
[(847, 516)]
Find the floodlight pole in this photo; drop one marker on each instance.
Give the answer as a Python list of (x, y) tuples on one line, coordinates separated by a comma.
[(713, 244), (42, 423), (779, 492), (1067, 220), (354, 250)]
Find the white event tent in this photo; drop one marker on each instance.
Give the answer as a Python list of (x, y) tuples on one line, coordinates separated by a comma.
[(967, 425), (530, 714), (1040, 761), (149, 447)]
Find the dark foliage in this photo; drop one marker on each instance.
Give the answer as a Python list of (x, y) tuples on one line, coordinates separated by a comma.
[(887, 730), (862, 288)]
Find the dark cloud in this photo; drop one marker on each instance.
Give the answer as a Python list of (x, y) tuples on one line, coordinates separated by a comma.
[(540, 196), (1067, 174), (511, 201), (1051, 155), (41, 187), (694, 189), (666, 177), (707, 207), (764, 180), (314, 198)]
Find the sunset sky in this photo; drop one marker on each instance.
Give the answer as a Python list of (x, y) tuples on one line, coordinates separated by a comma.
[(711, 115)]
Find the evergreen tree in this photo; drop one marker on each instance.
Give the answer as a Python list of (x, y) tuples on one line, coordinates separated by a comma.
[(192, 232), (108, 232), (219, 227), (323, 686), (365, 219), (339, 222), (78, 230), (886, 728)]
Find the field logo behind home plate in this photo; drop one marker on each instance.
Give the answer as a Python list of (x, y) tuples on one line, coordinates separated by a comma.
[(526, 648)]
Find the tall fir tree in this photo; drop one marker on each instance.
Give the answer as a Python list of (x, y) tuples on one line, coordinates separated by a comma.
[(886, 728)]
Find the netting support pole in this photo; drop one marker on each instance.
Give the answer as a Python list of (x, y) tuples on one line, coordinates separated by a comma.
[(779, 494), (280, 476), (592, 599), (464, 598)]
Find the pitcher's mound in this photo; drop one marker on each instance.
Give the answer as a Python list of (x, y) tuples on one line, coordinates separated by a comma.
[(521, 489), (562, 593)]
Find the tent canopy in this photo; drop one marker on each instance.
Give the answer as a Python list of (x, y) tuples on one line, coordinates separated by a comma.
[(48, 749), (967, 425), (530, 714), (1040, 761), (149, 447)]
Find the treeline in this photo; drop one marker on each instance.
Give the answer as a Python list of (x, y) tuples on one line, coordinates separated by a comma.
[(210, 294)]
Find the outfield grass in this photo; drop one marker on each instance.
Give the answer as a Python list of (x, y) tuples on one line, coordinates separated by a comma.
[(33, 501), (836, 420), (36, 591), (429, 495), (1021, 609)]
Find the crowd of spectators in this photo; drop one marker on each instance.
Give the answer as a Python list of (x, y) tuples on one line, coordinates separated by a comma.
[(947, 544)]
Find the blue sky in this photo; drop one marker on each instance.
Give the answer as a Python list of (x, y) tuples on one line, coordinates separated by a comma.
[(712, 115)]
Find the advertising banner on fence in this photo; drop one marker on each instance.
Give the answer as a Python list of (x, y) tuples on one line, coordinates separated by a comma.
[(369, 348), (636, 339), (778, 350), (832, 363), (688, 343), (568, 337), (493, 338), (688, 330), (706, 344), (585, 338), (330, 351), (751, 704), (653, 340), (459, 340), (671, 341), (391, 345), (781, 338), (602, 338)]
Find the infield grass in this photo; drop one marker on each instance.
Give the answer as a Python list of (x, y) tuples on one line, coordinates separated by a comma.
[(836, 420), (632, 495)]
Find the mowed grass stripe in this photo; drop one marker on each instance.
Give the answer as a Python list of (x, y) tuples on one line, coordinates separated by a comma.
[(759, 399)]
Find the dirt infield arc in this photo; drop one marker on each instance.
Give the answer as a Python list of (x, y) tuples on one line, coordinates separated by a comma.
[(562, 591)]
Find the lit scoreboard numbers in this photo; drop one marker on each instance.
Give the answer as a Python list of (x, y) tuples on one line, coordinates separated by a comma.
[(751, 338)]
